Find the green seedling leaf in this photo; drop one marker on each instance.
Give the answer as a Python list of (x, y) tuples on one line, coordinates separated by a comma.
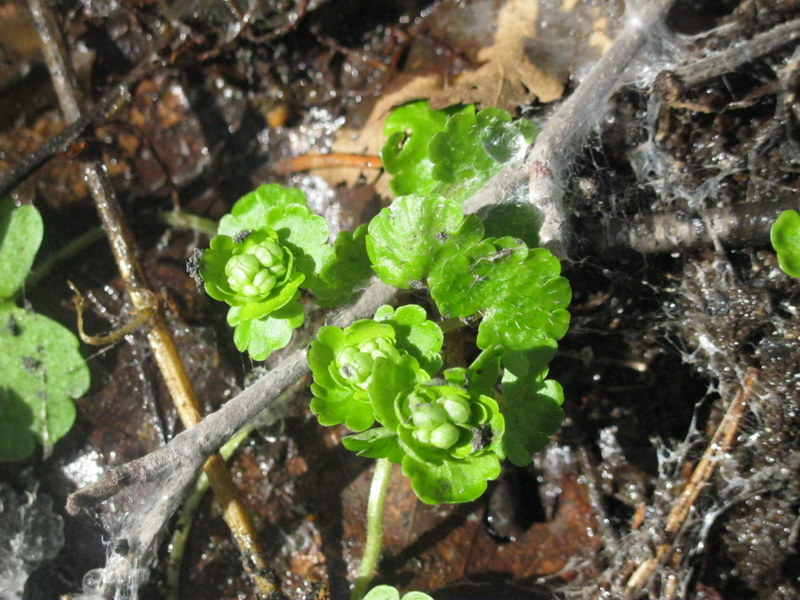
[(17, 438), (450, 152), (532, 412), (387, 592), (347, 271), (20, 235), (250, 211), (518, 291), (405, 238), (477, 277), (408, 130), (378, 442), (785, 238), (42, 371), (415, 334), (527, 319), (260, 337), (473, 146), (452, 481)]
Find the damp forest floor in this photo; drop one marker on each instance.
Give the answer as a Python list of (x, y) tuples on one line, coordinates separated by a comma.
[(684, 330)]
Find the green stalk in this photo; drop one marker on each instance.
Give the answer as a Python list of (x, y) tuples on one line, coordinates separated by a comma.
[(183, 220), (66, 252), (372, 549), (184, 525)]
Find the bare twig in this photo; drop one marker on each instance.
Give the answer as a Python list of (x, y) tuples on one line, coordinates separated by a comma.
[(143, 300), (718, 446), (745, 223), (564, 133), (60, 142), (670, 84)]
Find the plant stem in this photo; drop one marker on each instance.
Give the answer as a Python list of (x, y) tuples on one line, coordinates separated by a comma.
[(183, 220), (67, 251), (372, 549)]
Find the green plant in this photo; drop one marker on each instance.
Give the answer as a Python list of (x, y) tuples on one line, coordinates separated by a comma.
[(387, 592), (382, 377), (267, 249), (785, 238), (41, 369)]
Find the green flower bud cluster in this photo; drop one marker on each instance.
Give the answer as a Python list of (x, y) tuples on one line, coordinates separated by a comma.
[(438, 419), (343, 362), (254, 273), (354, 362)]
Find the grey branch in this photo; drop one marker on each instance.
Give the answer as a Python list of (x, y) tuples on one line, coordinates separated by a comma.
[(565, 132)]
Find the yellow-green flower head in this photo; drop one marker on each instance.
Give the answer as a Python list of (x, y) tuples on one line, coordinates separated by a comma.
[(256, 273)]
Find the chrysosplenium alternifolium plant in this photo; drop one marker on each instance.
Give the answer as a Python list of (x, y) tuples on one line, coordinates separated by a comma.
[(785, 238), (382, 377)]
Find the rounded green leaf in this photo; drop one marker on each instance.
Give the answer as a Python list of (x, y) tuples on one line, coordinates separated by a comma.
[(404, 238), (415, 334), (20, 236), (387, 592), (378, 442), (40, 366), (346, 272), (532, 411), (452, 481), (260, 337), (250, 211), (785, 238), (408, 130)]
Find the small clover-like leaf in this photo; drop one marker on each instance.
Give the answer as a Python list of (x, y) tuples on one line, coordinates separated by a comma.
[(785, 238), (452, 151), (20, 235), (250, 211), (347, 271), (387, 592), (41, 367), (532, 411), (415, 334), (477, 277), (526, 319), (518, 291), (452, 481), (404, 238), (408, 130), (261, 336)]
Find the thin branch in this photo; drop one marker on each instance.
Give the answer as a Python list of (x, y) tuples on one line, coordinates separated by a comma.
[(566, 131), (747, 223), (60, 142), (670, 84), (718, 446), (193, 445)]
